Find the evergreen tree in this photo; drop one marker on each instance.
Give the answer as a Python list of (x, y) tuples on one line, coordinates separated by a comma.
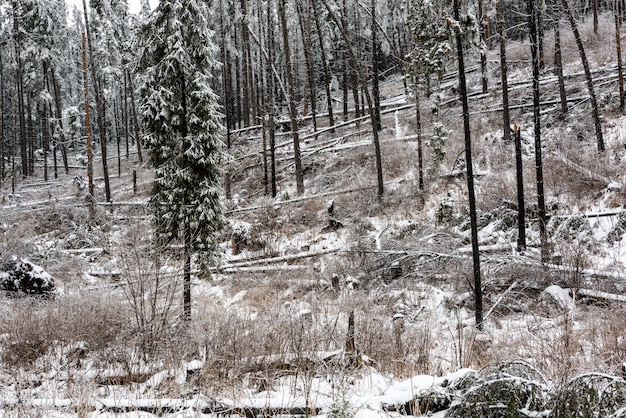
[(183, 127)]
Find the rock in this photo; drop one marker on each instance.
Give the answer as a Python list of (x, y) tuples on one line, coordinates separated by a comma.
[(22, 276)]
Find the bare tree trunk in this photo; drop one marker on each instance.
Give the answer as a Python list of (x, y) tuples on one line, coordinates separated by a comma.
[(327, 78), (506, 119), (478, 294), (60, 128), (592, 93), (271, 86), (305, 27), (620, 70), (532, 23), (135, 118), (346, 38), (292, 100), (88, 127), (420, 139), (595, 16), (2, 127), (226, 83), (126, 117), (558, 64), (375, 87), (187, 273), (30, 133), (245, 48), (483, 53), (100, 108)]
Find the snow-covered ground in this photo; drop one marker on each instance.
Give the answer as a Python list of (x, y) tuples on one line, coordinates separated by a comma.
[(271, 327)]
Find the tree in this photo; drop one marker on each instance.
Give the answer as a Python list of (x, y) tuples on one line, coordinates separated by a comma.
[(363, 81), (583, 57), (478, 293), (293, 113), (433, 45), (541, 204), (100, 106), (183, 128), (506, 119)]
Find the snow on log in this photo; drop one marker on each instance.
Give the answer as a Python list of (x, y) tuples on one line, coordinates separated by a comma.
[(601, 295)]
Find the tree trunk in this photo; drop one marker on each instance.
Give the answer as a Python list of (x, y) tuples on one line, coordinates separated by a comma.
[(420, 139), (100, 108), (227, 94), (595, 16), (478, 297), (532, 24), (245, 50), (506, 119), (59, 116), (271, 86), (346, 38), (521, 205), (135, 118), (2, 127), (558, 65), (592, 93), (620, 70), (292, 100), (375, 87), (88, 127), (304, 18), (327, 77), (126, 117), (187, 273), (483, 53)]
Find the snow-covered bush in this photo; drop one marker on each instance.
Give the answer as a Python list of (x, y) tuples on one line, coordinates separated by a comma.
[(24, 277), (513, 389), (617, 232), (589, 395)]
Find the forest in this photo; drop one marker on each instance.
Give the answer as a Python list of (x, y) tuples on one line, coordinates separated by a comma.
[(344, 208)]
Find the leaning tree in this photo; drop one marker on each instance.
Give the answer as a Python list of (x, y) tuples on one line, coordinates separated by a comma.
[(182, 124)]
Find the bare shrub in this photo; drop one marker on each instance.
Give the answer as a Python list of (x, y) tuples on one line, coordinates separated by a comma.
[(16, 240), (152, 289), (31, 327)]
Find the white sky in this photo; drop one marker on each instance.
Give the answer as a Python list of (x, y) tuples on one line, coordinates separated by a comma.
[(133, 4)]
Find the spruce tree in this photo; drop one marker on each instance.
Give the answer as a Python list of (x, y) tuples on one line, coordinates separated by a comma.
[(183, 128)]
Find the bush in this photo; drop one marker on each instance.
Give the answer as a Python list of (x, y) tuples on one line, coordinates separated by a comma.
[(513, 389)]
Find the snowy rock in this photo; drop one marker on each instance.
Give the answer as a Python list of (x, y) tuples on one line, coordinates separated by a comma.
[(22, 276), (558, 297)]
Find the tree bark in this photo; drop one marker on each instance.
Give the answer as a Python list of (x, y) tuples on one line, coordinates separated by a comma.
[(327, 77), (135, 118), (304, 18), (592, 93), (478, 294), (292, 100), (420, 138), (245, 49), (558, 64), (100, 108), (88, 127), (346, 38), (532, 23), (483, 53), (506, 120), (620, 70), (59, 116), (226, 84), (375, 87)]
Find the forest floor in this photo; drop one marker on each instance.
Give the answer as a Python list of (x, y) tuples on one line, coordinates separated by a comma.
[(355, 317)]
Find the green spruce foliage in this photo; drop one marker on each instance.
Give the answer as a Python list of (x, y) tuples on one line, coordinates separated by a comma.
[(182, 122)]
